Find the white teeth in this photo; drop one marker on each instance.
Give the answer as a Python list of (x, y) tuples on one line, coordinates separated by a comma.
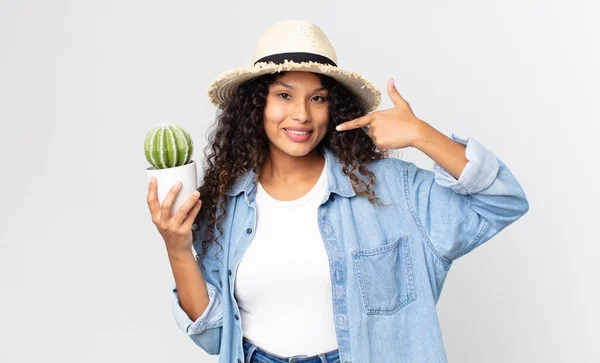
[(297, 132)]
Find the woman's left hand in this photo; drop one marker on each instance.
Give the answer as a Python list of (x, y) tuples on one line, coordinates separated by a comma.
[(393, 128)]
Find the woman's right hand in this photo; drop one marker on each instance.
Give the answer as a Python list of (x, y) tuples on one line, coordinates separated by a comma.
[(175, 229)]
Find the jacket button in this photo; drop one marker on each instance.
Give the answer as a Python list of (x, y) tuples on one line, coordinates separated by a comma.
[(239, 360), (331, 198), (229, 272), (338, 275), (249, 230), (236, 317)]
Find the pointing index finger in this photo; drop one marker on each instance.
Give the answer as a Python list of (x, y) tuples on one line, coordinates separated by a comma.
[(354, 124)]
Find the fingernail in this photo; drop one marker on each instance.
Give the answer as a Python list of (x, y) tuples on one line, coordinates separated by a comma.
[(178, 184), (338, 127)]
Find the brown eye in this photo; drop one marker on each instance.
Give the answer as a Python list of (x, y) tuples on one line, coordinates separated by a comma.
[(320, 99), (284, 95)]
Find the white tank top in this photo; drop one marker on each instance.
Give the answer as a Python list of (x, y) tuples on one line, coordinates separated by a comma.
[(283, 285)]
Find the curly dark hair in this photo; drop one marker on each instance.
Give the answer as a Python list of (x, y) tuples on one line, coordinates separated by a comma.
[(238, 143)]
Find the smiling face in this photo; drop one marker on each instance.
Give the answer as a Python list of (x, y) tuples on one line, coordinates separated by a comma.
[(296, 113)]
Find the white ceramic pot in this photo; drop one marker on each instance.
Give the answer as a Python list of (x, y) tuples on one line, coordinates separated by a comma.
[(166, 178)]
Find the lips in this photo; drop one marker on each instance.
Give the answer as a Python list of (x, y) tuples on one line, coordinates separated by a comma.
[(297, 129), (297, 137)]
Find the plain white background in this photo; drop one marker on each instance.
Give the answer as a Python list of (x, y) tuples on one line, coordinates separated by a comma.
[(83, 270)]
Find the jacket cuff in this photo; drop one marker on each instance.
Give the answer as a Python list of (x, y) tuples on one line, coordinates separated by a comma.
[(479, 173), (211, 318)]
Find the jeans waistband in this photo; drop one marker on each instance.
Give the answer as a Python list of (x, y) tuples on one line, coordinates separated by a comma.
[(252, 350)]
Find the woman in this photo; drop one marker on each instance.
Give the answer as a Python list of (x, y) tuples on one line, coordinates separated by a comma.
[(313, 245)]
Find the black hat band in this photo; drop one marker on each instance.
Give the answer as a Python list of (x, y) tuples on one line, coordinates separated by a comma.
[(296, 57)]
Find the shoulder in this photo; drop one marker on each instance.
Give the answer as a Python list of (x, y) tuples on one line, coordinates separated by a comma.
[(389, 166), (402, 169), (397, 175), (389, 175)]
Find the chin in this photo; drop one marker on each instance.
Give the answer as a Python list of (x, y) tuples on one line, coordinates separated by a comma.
[(298, 150)]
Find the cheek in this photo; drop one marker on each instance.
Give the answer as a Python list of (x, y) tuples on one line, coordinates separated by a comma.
[(323, 116), (273, 116)]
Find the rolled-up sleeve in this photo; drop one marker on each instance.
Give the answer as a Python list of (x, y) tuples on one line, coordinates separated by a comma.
[(211, 318), (479, 173)]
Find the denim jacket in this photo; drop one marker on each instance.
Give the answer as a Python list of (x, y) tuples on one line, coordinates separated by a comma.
[(387, 263)]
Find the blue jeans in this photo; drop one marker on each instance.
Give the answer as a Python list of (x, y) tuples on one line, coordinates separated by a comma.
[(254, 354)]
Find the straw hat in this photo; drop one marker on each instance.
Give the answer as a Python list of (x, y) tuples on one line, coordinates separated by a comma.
[(293, 46)]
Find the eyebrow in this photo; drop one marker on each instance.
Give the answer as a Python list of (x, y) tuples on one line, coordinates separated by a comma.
[(292, 87)]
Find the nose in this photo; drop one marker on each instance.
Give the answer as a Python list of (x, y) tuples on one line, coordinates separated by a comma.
[(301, 111)]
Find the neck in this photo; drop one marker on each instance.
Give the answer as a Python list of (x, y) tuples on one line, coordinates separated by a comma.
[(283, 169)]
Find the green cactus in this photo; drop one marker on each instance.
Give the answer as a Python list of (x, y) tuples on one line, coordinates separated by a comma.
[(167, 146)]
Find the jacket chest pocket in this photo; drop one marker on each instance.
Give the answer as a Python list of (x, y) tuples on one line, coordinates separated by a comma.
[(385, 277)]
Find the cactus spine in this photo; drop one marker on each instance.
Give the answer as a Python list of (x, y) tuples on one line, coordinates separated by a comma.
[(167, 146)]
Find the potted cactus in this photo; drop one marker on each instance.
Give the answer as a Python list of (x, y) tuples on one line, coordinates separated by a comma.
[(168, 148)]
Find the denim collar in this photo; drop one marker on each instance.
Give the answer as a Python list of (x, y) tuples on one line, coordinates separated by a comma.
[(337, 182)]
